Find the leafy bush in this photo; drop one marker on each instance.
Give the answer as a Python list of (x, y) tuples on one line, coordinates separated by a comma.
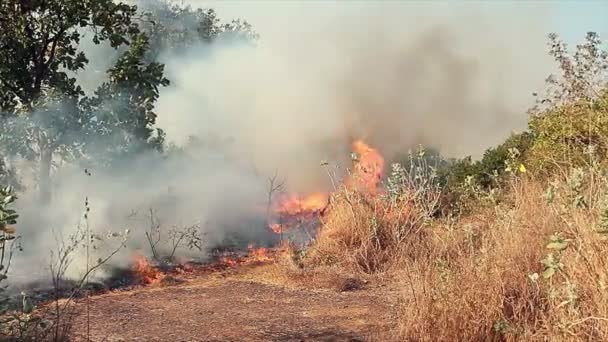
[(574, 134), (8, 218), (569, 123)]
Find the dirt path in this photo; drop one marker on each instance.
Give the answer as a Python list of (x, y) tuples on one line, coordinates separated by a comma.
[(233, 308)]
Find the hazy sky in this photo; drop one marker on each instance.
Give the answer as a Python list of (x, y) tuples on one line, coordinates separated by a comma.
[(571, 19), (574, 18), (305, 46)]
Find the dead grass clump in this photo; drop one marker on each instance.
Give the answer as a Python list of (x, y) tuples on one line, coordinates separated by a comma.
[(367, 235), (295, 266)]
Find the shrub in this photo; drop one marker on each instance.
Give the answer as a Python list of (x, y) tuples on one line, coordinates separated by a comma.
[(573, 134), (371, 234), (8, 237)]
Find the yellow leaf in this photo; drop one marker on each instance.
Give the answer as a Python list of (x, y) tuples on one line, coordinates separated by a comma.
[(522, 168)]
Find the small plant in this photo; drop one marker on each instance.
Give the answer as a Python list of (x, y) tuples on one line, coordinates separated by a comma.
[(419, 183), (575, 183), (552, 263), (163, 246)]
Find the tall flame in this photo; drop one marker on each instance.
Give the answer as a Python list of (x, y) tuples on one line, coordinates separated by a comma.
[(368, 166)]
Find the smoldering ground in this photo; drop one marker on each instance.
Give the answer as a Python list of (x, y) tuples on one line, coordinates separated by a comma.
[(318, 77)]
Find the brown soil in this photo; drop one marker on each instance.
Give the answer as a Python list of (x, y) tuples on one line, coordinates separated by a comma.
[(235, 307)]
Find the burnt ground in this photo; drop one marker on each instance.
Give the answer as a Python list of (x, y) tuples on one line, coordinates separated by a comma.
[(236, 307)]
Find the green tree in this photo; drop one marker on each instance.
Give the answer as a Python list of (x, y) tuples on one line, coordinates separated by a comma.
[(38, 47), (123, 107), (175, 27)]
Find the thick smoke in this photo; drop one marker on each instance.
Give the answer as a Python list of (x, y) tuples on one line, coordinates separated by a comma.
[(336, 72), (321, 75)]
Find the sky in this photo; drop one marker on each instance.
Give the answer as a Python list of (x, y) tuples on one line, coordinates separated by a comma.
[(570, 19), (574, 18)]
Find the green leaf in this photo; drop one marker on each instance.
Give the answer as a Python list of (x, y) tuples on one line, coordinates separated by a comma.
[(558, 245), (548, 272), (549, 261)]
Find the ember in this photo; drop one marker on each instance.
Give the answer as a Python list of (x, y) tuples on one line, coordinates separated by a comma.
[(259, 254), (146, 273)]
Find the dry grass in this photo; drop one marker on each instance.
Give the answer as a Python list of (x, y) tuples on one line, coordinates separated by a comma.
[(366, 235), (485, 280), (479, 277)]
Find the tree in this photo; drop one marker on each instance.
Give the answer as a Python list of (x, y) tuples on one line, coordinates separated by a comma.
[(175, 27), (43, 111), (123, 107), (38, 47)]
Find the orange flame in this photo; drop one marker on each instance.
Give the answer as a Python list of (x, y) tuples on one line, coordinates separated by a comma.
[(291, 210), (367, 169), (260, 254), (254, 255), (147, 273), (295, 205)]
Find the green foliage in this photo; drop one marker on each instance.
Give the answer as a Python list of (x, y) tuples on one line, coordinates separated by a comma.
[(8, 218), (465, 180), (39, 102), (570, 123), (495, 161), (567, 128), (175, 27), (43, 111), (40, 40), (552, 263), (571, 134), (123, 107)]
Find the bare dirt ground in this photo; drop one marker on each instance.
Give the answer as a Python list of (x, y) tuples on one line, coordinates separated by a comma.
[(236, 307)]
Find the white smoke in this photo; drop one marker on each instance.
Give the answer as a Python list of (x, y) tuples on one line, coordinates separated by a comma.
[(395, 74)]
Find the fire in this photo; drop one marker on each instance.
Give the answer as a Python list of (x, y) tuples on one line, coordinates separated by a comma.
[(292, 210), (368, 167), (254, 255), (147, 273), (295, 205), (260, 254)]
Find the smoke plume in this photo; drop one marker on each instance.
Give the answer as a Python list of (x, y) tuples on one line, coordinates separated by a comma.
[(393, 74)]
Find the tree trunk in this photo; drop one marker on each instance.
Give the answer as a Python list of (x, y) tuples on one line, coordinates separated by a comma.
[(46, 156)]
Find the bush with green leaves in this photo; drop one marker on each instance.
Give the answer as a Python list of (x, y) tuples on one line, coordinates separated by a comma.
[(8, 238), (570, 123), (466, 179), (416, 182), (572, 134)]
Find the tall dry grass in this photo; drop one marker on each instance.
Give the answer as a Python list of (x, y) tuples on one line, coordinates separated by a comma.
[(371, 233), (490, 276), (533, 267)]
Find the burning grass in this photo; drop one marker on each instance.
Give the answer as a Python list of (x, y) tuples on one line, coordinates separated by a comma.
[(503, 273), (364, 234), (530, 267)]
